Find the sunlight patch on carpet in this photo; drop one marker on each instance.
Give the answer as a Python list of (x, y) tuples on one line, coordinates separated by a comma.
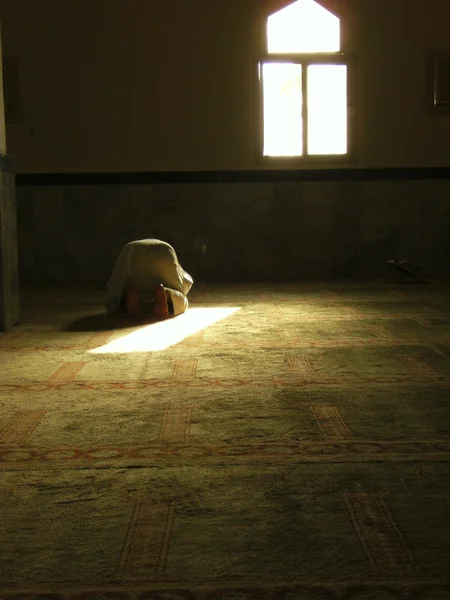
[(162, 335)]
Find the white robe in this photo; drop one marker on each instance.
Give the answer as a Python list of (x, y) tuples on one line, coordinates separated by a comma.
[(146, 264)]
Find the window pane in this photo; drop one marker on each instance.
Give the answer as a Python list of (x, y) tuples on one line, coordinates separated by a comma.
[(303, 26), (327, 109), (282, 96)]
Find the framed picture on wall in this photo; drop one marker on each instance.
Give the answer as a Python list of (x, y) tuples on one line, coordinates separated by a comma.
[(438, 81)]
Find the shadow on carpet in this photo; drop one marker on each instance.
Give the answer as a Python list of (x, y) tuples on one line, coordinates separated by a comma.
[(103, 322)]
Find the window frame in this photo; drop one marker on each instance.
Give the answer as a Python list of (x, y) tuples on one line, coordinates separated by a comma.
[(305, 60), (434, 105)]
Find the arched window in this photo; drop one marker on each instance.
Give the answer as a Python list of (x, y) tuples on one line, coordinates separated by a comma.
[(304, 84), (303, 26)]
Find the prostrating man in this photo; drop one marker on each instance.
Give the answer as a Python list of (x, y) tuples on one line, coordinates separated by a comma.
[(147, 278)]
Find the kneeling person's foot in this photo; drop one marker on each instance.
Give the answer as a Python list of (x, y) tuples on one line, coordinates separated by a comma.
[(160, 307), (133, 302)]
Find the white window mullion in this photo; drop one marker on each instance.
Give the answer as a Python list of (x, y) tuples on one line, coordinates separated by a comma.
[(305, 107)]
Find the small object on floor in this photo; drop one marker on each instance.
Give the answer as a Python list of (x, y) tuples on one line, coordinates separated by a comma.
[(407, 269)]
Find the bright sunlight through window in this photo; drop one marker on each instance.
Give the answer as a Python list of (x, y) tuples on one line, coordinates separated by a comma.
[(327, 109), (161, 335), (303, 27), (300, 28), (283, 126)]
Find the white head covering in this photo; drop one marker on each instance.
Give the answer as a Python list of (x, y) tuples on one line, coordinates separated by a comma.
[(179, 301)]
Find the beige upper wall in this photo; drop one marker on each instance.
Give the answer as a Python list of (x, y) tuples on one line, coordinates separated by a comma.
[(148, 85)]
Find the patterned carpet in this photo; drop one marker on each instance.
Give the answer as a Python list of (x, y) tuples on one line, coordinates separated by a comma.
[(277, 442)]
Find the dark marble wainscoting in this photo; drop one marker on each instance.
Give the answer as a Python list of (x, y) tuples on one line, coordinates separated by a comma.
[(9, 272), (264, 230)]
